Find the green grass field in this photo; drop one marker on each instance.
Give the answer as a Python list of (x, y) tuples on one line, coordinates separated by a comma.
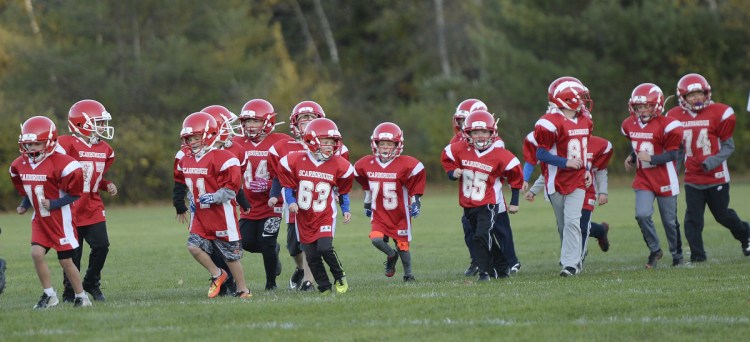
[(156, 291)]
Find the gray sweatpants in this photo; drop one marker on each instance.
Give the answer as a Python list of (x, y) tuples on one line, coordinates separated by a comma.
[(568, 214), (644, 209)]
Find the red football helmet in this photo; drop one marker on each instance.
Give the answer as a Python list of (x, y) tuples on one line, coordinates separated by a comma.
[(691, 83), (318, 129), (304, 108), (226, 120), (568, 93), (203, 125), (480, 120), (463, 110), (646, 94), (258, 109), (585, 96), (89, 119), (387, 131), (38, 129)]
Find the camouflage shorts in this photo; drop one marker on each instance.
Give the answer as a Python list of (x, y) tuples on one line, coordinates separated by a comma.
[(230, 251)]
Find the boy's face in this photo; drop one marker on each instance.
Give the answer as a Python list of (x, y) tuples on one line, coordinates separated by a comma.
[(253, 126), (327, 146), (32, 147), (481, 138), (195, 143), (385, 149), (645, 111), (303, 120), (696, 97)]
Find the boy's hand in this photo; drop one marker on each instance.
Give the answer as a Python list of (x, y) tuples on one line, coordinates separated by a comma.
[(347, 217), (112, 189)]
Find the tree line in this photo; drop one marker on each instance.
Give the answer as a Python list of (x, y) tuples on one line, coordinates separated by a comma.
[(151, 63)]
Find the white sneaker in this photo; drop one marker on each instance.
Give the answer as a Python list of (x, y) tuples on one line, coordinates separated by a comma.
[(46, 301), (81, 301)]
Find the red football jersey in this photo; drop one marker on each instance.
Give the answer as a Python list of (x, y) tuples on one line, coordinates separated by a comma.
[(255, 160), (483, 173), (284, 148), (566, 138), (50, 179), (95, 160), (314, 183), (657, 136), (702, 135), (597, 158), (391, 185), (214, 170)]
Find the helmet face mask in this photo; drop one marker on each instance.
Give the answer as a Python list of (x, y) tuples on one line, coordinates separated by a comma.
[(480, 129), (646, 102), (38, 138), (199, 134), (226, 120), (322, 139), (89, 119), (302, 110), (689, 85), (387, 141), (258, 109)]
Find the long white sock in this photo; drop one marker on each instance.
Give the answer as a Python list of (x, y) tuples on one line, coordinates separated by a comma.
[(50, 291)]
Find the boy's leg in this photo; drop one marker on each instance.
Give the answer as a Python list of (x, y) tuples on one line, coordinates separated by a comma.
[(68, 293), (718, 203), (668, 212), (315, 260), (403, 251), (500, 263), (483, 219), (40, 265), (585, 229), (231, 253), (326, 250), (73, 274), (98, 241), (695, 200), (269, 234), (469, 240), (377, 239)]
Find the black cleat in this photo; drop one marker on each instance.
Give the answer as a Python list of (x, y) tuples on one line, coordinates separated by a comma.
[(653, 258), (95, 292), (390, 265), (604, 240), (568, 272), (472, 270), (296, 279), (306, 286), (483, 277), (409, 278)]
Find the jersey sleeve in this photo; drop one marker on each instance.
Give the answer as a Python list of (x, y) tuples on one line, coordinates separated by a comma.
[(513, 172), (15, 177), (178, 176), (346, 178), (726, 124), (529, 149), (416, 180), (229, 175), (601, 161), (673, 135), (71, 178), (285, 175), (545, 133), (448, 159)]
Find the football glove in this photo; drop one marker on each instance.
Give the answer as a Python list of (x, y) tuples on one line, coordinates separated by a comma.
[(368, 209), (260, 185), (414, 209), (206, 199)]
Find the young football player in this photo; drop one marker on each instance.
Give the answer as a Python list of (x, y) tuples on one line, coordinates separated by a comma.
[(88, 122), (309, 180), (707, 143), (213, 178), (656, 142), (226, 120), (562, 134), (393, 185), (49, 183), (301, 115), (260, 226), (480, 168)]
